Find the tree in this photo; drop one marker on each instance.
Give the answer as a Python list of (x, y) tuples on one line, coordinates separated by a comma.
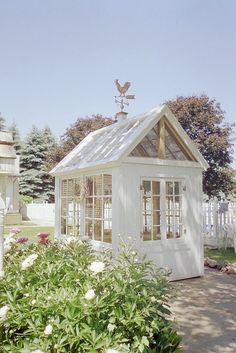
[(34, 178), (74, 135), (2, 123), (16, 137), (203, 120)]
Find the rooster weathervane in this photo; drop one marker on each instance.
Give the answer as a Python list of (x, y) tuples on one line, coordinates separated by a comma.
[(123, 98)]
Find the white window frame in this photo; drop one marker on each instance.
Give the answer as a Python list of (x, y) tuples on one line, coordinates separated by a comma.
[(163, 223), (102, 196)]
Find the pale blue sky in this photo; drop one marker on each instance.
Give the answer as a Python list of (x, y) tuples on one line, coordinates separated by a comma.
[(59, 58)]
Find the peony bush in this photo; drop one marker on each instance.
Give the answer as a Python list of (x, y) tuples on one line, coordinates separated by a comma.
[(59, 298)]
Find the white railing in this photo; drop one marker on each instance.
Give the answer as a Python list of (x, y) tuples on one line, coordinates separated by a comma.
[(219, 223)]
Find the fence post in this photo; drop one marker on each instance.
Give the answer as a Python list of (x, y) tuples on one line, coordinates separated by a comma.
[(215, 220)]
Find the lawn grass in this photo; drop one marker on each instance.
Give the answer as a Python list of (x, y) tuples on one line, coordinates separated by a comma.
[(221, 255), (30, 231)]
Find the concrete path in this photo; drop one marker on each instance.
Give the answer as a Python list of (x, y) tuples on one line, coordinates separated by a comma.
[(205, 310)]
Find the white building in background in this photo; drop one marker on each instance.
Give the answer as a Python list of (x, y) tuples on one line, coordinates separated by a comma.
[(9, 175), (142, 178)]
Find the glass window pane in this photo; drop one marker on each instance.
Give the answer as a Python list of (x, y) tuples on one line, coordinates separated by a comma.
[(98, 185), (97, 207), (89, 207), (89, 186), (156, 233), (156, 218), (77, 186), (169, 188), (156, 202), (169, 203), (147, 234), (107, 231), (156, 188), (177, 188), (147, 220), (169, 233), (70, 187), (64, 188), (178, 232), (107, 184), (98, 230), (63, 207), (107, 208), (147, 187), (147, 204), (89, 228)]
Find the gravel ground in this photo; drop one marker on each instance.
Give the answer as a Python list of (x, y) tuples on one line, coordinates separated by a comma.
[(205, 311)]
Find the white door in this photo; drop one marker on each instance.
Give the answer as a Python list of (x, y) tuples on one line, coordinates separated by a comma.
[(162, 209)]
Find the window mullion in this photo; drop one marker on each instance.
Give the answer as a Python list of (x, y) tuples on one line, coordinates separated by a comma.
[(163, 210)]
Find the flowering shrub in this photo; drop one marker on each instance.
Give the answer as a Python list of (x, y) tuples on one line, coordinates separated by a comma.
[(65, 298)]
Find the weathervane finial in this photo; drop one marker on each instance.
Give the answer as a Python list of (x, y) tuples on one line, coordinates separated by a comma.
[(122, 99)]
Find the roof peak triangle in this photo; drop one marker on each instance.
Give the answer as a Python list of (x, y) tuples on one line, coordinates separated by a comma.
[(109, 146)]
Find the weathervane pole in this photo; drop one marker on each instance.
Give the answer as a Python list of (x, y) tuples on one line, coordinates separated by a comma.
[(123, 99)]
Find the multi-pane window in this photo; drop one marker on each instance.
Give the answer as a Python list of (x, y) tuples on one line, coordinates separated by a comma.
[(151, 210), (162, 209), (70, 206), (98, 207), (172, 146), (174, 223)]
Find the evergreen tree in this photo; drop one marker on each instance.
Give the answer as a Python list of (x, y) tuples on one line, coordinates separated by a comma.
[(16, 138), (35, 180), (48, 180), (2, 123)]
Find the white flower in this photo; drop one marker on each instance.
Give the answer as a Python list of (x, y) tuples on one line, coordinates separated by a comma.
[(90, 294), (110, 350), (133, 253), (48, 330), (111, 327), (3, 312), (7, 248), (33, 302), (70, 239), (37, 351), (153, 299), (9, 239), (97, 267), (29, 261)]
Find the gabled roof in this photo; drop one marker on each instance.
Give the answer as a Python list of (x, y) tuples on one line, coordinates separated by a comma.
[(111, 144)]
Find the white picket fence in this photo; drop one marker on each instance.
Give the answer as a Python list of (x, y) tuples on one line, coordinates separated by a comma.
[(219, 223)]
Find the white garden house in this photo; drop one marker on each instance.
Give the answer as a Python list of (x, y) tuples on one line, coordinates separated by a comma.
[(142, 178)]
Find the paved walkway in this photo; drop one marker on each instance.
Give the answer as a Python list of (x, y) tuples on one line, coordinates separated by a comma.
[(205, 310)]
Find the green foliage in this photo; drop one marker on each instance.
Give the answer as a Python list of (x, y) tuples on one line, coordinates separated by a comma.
[(74, 135), (202, 118), (2, 123), (31, 231), (221, 255), (66, 298), (25, 198), (16, 138), (34, 179)]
